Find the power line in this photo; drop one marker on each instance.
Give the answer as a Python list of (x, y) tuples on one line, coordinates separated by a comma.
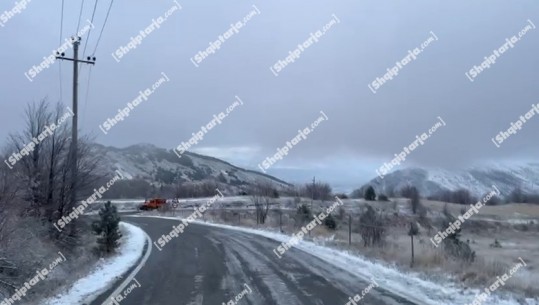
[(60, 43), (80, 14), (93, 53), (103, 28), (90, 31), (62, 23)]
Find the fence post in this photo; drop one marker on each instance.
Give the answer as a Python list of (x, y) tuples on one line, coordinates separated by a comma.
[(412, 241), (311, 216), (239, 218), (281, 221), (349, 230)]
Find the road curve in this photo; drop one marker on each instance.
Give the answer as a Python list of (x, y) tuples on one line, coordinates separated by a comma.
[(210, 266)]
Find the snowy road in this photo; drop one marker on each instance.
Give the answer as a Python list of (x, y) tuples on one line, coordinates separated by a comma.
[(209, 266)]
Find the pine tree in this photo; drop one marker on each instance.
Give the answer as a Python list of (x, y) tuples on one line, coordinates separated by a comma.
[(330, 222), (304, 214), (370, 194), (107, 228)]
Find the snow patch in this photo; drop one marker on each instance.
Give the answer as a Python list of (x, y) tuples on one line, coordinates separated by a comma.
[(106, 272)]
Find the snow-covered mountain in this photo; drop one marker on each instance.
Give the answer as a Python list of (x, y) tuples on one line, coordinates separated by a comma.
[(159, 166), (478, 180)]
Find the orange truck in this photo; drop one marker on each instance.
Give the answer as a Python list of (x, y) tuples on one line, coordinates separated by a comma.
[(153, 204)]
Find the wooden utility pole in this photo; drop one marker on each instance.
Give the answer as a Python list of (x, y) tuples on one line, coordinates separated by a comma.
[(312, 198), (74, 136), (312, 193)]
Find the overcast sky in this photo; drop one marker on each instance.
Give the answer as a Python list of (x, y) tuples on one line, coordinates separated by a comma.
[(363, 129)]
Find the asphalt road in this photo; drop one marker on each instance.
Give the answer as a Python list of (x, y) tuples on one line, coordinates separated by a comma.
[(211, 266)]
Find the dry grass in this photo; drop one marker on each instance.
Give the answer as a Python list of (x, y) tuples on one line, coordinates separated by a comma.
[(513, 210)]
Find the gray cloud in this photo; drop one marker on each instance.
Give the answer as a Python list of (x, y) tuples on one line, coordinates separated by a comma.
[(364, 129)]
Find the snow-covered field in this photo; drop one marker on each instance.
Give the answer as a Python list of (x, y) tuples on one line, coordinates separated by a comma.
[(106, 272)]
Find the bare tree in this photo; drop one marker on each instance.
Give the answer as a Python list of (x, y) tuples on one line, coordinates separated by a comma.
[(34, 185), (87, 167), (461, 196), (44, 172), (56, 148), (412, 193), (317, 191), (371, 227), (9, 186), (37, 117), (261, 193)]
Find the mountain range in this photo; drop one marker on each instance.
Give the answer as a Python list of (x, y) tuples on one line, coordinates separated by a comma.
[(159, 166), (478, 180)]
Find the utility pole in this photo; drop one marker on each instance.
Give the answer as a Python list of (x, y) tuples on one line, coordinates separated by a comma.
[(312, 193), (312, 198), (74, 137)]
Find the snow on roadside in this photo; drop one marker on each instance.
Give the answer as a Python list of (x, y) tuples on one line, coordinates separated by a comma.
[(106, 272), (408, 285)]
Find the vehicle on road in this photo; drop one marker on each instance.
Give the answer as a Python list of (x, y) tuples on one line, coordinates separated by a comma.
[(153, 204)]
